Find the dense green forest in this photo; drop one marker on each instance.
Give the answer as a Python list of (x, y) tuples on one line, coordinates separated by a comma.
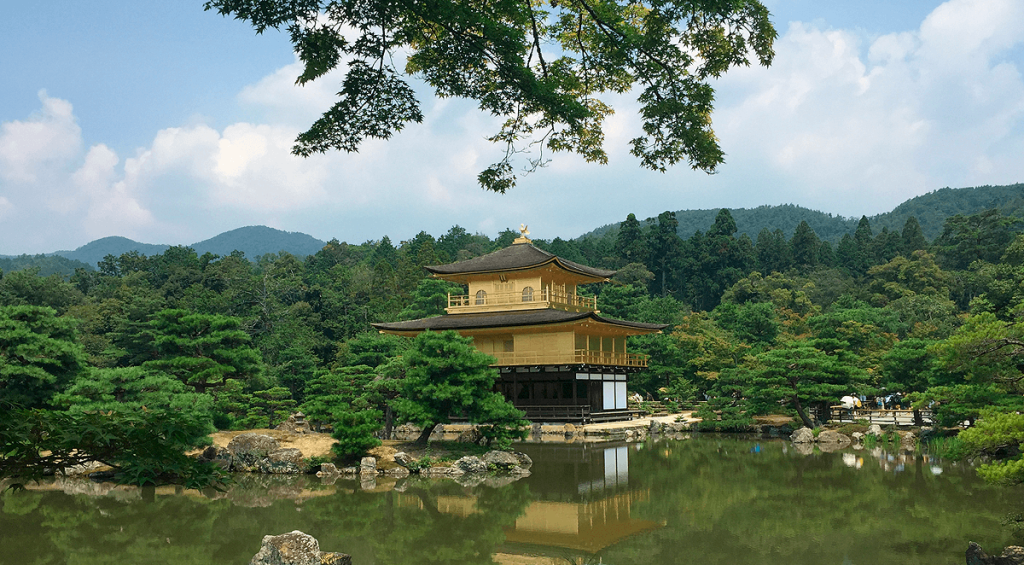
[(930, 210), (757, 325)]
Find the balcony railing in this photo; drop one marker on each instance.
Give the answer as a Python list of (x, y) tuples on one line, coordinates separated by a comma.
[(540, 298), (577, 357)]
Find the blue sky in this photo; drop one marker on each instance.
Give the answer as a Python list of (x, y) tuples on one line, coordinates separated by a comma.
[(167, 124)]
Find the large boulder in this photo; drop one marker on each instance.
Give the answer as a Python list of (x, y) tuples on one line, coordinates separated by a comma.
[(284, 461), (471, 464), (874, 430), (296, 548), (803, 435), (502, 460), (328, 470), (248, 450), (829, 436), (1012, 555), (368, 466), (404, 459), (524, 460)]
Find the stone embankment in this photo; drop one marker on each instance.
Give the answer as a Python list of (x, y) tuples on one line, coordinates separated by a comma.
[(630, 431), (804, 439), (494, 468)]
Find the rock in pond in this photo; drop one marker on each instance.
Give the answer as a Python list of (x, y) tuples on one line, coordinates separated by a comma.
[(471, 464), (829, 436), (296, 548), (404, 459), (1012, 555), (248, 449), (874, 430), (803, 435), (368, 466), (502, 460)]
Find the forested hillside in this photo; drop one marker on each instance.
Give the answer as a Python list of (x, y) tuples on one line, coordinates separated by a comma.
[(259, 240), (94, 251), (931, 210), (252, 241), (770, 324), (46, 264)]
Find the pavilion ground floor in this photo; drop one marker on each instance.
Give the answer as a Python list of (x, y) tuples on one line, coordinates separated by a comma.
[(574, 393)]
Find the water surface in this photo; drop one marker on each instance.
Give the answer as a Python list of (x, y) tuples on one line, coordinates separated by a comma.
[(703, 500)]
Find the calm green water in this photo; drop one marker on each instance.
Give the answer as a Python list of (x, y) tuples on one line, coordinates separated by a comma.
[(702, 500)]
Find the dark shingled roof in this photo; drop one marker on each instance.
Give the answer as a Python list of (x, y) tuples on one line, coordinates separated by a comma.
[(507, 319), (515, 257)]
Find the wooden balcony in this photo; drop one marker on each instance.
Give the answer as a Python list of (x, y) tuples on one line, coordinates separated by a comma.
[(577, 357), (505, 301)]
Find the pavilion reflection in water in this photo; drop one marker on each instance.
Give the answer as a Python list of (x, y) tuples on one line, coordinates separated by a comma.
[(584, 504)]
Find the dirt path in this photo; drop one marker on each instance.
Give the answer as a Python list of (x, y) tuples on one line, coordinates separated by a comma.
[(311, 444)]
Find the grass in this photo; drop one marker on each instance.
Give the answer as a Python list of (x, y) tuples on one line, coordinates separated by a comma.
[(946, 447)]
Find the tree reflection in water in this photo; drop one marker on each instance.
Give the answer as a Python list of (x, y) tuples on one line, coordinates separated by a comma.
[(704, 500)]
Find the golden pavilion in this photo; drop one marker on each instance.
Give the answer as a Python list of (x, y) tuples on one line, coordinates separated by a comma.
[(558, 358)]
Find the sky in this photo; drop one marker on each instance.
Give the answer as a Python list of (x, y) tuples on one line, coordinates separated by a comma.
[(164, 123)]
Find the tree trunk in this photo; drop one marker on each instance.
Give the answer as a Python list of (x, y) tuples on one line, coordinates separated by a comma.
[(918, 419), (389, 417), (801, 412), (425, 434)]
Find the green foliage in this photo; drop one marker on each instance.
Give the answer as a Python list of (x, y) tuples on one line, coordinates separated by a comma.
[(752, 322), (28, 288), (429, 299), (354, 431), (958, 403), (201, 350), (1001, 435), (978, 237), (39, 355), (269, 407), (797, 374), (43, 265), (446, 376), (146, 447), (330, 391), (130, 389), (543, 67)]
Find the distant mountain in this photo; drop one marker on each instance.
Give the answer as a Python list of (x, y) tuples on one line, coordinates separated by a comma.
[(931, 211), (260, 240), (47, 264), (933, 208), (750, 221), (94, 251), (251, 240)]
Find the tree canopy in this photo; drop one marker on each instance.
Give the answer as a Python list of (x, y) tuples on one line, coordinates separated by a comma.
[(546, 67)]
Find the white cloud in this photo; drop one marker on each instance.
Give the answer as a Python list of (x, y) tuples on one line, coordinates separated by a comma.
[(860, 133), (47, 138), (842, 122)]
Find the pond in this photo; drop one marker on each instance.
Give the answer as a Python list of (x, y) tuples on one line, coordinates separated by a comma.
[(708, 499)]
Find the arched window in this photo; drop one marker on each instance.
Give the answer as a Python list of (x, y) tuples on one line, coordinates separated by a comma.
[(528, 294), (481, 297)]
